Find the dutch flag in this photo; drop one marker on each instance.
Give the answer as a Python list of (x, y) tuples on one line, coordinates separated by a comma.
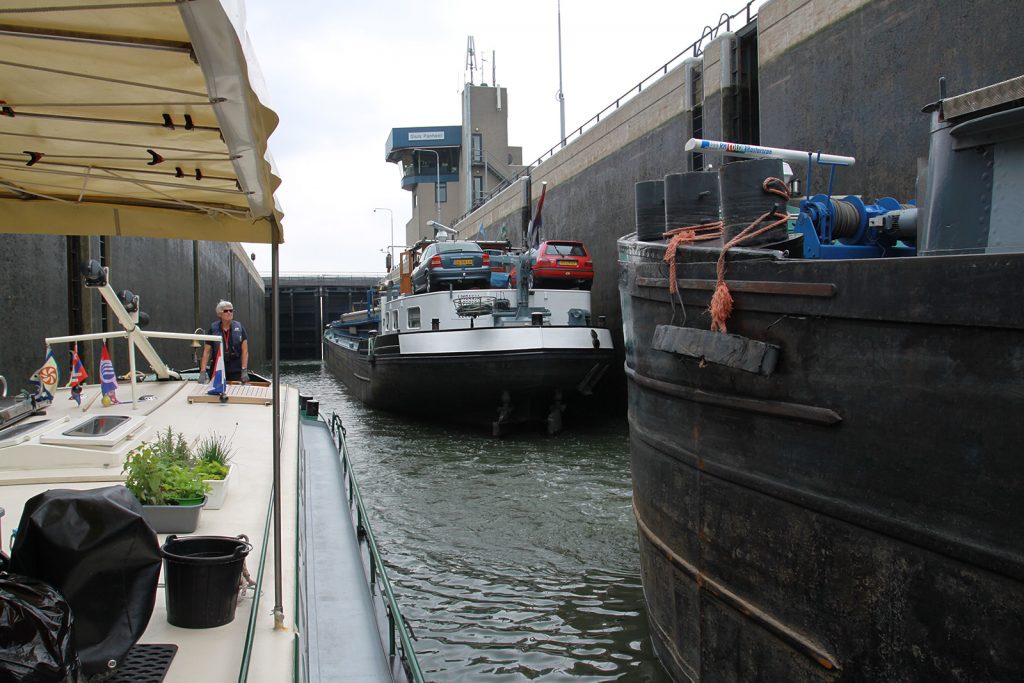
[(217, 384)]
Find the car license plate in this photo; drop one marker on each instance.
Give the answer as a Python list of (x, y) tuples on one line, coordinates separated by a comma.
[(463, 261), (569, 262)]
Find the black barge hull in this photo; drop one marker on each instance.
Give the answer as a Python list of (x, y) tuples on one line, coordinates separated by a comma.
[(471, 387), (848, 505)]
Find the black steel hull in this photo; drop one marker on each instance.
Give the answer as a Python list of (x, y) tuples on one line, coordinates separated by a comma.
[(468, 387), (857, 513)]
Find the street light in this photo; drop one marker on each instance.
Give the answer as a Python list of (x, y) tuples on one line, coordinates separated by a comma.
[(391, 244), (437, 186)]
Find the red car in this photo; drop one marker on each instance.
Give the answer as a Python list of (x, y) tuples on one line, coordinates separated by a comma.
[(559, 264)]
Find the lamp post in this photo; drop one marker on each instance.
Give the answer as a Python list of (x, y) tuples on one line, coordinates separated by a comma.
[(437, 186), (391, 244)]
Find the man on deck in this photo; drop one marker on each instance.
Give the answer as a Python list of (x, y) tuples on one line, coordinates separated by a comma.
[(236, 346)]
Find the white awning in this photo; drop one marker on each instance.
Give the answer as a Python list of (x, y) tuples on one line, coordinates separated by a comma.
[(133, 117)]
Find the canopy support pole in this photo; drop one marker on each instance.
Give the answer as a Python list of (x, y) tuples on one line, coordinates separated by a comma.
[(275, 337)]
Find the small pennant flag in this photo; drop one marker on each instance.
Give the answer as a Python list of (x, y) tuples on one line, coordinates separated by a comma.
[(108, 378), (217, 381), (48, 376), (78, 376), (78, 373)]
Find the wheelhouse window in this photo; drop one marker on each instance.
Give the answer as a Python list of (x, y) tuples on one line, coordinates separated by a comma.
[(412, 318)]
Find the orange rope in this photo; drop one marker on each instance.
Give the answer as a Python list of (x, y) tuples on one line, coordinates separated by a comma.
[(689, 233), (721, 300)]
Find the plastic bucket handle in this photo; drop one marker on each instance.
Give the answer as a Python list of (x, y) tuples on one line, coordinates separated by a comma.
[(242, 548)]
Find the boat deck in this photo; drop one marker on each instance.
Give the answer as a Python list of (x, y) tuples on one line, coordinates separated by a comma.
[(215, 654)]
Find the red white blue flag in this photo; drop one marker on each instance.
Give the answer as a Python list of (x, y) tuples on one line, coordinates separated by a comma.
[(108, 378), (78, 373), (78, 376), (218, 385)]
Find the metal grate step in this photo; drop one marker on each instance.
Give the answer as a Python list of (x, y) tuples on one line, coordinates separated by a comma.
[(145, 663)]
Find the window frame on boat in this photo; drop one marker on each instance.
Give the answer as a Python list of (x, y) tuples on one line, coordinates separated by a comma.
[(22, 432), (412, 318), (66, 436)]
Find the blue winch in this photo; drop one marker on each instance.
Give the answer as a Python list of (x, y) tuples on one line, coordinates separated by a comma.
[(835, 227), (846, 227)]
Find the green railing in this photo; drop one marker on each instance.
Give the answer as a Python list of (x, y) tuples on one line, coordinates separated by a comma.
[(250, 631), (396, 624)]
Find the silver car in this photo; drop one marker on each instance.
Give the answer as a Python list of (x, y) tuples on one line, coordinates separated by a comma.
[(460, 265)]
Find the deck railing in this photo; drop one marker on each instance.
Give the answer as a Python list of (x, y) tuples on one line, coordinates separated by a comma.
[(396, 623)]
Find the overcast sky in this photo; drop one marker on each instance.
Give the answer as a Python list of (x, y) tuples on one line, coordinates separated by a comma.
[(342, 73)]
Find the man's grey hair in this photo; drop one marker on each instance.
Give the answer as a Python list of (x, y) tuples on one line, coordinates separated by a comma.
[(222, 305)]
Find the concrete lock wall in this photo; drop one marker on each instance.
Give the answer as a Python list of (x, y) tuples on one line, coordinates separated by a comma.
[(33, 303), (503, 217), (850, 77), (845, 76), (38, 293)]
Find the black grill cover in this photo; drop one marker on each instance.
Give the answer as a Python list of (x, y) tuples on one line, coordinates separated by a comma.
[(96, 549), (35, 633)]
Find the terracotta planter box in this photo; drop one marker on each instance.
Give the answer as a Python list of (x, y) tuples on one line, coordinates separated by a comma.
[(172, 519), (218, 491)]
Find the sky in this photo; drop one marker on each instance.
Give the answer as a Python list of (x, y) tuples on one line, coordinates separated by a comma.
[(342, 73)]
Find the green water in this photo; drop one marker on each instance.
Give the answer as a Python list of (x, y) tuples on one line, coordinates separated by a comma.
[(513, 559)]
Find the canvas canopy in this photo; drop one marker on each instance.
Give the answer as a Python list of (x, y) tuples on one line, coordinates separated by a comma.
[(134, 118)]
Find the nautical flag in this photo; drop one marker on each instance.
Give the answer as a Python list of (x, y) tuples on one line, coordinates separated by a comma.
[(78, 376), (48, 376), (217, 383), (78, 373), (533, 232), (108, 378)]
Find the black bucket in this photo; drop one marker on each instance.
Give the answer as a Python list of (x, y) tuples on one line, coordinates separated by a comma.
[(691, 199), (650, 210), (201, 574), (744, 199)]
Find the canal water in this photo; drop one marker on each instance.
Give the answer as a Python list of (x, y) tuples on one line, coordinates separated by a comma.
[(513, 558)]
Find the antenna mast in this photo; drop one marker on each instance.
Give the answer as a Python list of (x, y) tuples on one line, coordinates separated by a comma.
[(561, 95), (470, 58)]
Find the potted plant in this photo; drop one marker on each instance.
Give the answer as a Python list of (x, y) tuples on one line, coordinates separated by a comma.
[(213, 456), (161, 475)]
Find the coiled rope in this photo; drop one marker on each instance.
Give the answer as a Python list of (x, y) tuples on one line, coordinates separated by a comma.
[(689, 233)]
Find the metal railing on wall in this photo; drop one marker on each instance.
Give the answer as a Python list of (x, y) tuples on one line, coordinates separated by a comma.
[(695, 49)]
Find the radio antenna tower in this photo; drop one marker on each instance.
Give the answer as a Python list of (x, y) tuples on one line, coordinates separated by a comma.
[(470, 58)]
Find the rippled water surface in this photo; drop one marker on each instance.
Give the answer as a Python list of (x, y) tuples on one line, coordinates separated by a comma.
[(512, 558)]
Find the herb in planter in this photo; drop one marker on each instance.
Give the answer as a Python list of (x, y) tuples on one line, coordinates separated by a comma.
[(162, 472), (172, 447), (213, 453), (209, 469)]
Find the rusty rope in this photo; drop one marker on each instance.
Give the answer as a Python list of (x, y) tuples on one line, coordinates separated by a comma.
[(689, 233), (721, 300)]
